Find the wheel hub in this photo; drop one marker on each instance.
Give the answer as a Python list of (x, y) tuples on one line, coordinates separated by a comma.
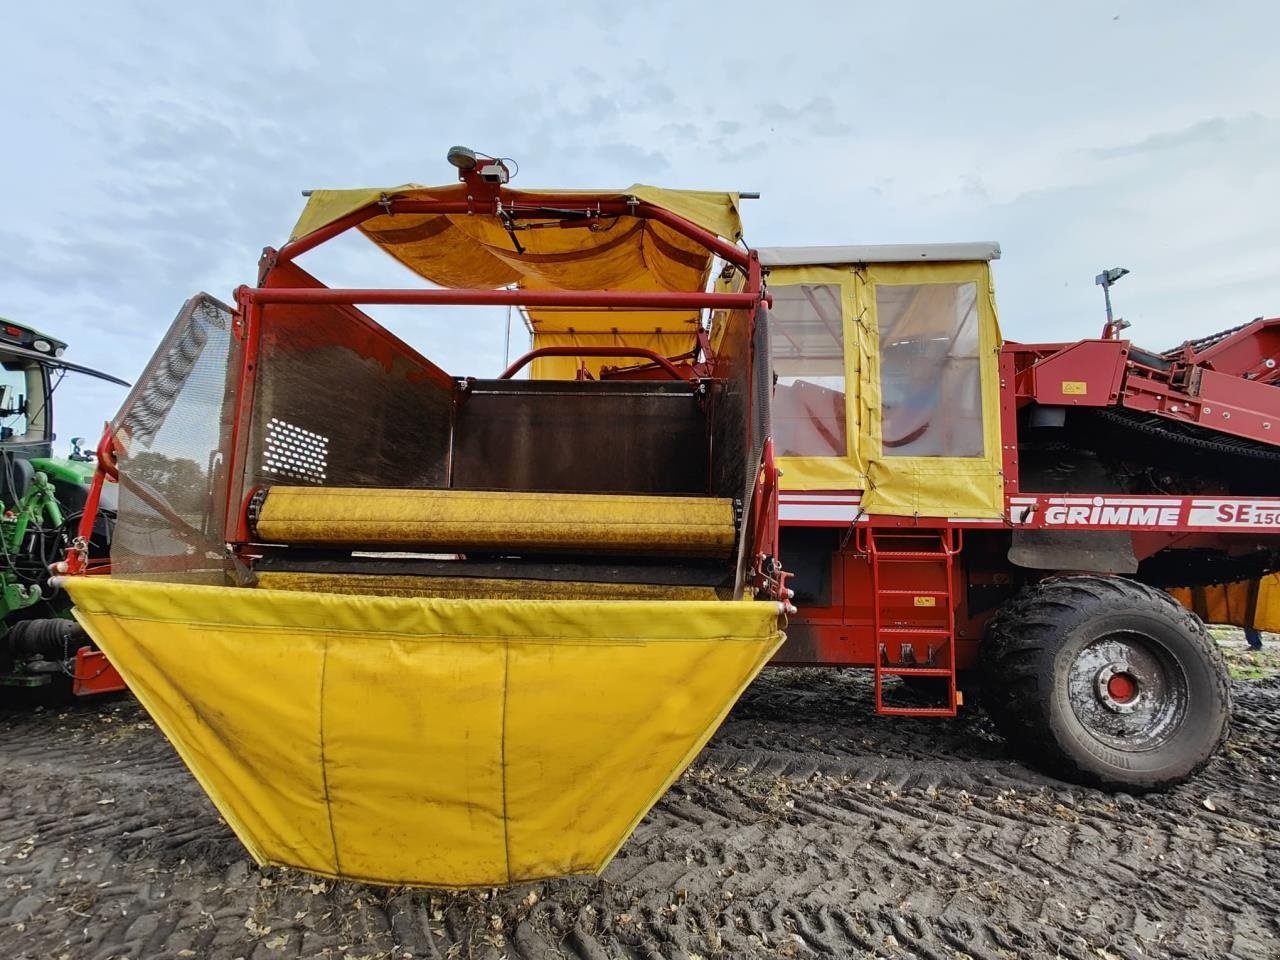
[(1127, 691), (1117, 687)]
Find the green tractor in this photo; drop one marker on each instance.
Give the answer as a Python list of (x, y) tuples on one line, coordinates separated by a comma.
[(41, 500)]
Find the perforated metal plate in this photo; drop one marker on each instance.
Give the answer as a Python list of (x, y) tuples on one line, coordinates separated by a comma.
[(290, 452)]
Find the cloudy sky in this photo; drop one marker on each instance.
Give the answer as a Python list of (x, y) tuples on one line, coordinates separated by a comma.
[(152, 153)]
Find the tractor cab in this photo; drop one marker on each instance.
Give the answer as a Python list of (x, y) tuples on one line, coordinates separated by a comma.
[(40, 497), (31, 370), (26, 389), (887, 380)]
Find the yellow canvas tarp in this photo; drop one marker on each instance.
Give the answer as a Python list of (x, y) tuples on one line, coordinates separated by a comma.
[(934, 486), (1246, 603), (628, 254), (428, 742)]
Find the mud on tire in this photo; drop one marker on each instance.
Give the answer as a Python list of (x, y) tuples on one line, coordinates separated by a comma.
[(1106, 682)]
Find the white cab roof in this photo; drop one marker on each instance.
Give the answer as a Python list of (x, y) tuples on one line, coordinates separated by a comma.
[(879, 253)]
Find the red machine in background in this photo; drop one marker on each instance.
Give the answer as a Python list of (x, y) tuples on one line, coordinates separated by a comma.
[(1001, 512)]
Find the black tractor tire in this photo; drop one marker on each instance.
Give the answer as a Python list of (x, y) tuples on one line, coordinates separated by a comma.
[(1105, 682)]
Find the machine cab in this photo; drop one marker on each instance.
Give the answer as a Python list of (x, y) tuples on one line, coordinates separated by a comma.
[(25, 389), (887, 381)]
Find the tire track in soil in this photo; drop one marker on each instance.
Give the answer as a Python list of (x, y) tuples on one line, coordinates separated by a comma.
[(807, 828)]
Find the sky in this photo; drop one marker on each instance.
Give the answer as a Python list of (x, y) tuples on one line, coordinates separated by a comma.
[(151, 150)]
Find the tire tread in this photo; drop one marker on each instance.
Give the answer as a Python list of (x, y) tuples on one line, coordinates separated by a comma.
[(1027, 627)]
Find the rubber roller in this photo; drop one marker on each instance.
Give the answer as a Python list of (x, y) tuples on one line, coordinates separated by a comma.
[(494, 521)]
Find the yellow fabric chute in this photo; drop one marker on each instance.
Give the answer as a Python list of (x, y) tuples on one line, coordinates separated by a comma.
[(628, 254), (428, 742)]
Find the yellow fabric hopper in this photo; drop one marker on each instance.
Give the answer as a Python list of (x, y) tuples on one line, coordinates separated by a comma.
[(412, 628), (440, 742)]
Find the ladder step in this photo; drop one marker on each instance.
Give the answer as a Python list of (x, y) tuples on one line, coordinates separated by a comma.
[(915, 631), (908, 556), (916, 711), (914, 672), (895, 592)]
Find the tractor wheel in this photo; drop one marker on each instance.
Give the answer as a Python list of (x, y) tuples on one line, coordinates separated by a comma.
[(1106, 682)]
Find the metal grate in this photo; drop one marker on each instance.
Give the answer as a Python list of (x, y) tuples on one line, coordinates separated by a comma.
[(291, 452), (172, 431)]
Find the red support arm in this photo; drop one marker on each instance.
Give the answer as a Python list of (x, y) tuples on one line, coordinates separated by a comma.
[(605, 208), (621, 299)]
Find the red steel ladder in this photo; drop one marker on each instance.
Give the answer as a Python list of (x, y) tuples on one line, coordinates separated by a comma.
[(924, 589)]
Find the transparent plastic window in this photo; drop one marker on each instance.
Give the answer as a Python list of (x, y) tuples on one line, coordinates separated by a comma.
[(807, 343), (930, 382)]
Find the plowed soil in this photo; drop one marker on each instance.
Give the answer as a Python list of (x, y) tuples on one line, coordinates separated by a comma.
[(808, 828)]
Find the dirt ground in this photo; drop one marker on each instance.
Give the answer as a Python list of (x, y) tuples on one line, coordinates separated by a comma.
[(807, 828)]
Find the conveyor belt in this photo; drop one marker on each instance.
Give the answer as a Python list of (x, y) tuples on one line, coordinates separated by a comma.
[(497, 521), (1187, 434)]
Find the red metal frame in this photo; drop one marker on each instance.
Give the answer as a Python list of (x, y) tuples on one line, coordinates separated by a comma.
[(548, 208), (770, 578), (93, 673), (485, 199), (282, 282), (617, 299)]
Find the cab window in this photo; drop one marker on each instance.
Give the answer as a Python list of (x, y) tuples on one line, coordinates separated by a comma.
[(930, 384), (806, 338), (22, 401)]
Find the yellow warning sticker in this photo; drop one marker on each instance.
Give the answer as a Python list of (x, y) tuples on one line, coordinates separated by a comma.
[(1076, 387), (926, 601)]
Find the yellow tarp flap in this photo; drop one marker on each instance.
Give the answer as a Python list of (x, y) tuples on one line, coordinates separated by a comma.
[(476, 250), (510, 521), (428, 742), (930, 486), (1247, 603)]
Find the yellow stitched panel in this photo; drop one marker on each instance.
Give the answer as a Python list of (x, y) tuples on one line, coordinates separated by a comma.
[(434, 742)]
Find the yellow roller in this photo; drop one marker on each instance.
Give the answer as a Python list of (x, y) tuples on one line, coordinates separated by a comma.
[(490, 588), (509, 522), (428, 742)]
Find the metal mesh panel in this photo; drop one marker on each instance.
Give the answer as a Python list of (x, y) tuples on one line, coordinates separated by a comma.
[(585, 436), (171, 431), (341, 402)]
